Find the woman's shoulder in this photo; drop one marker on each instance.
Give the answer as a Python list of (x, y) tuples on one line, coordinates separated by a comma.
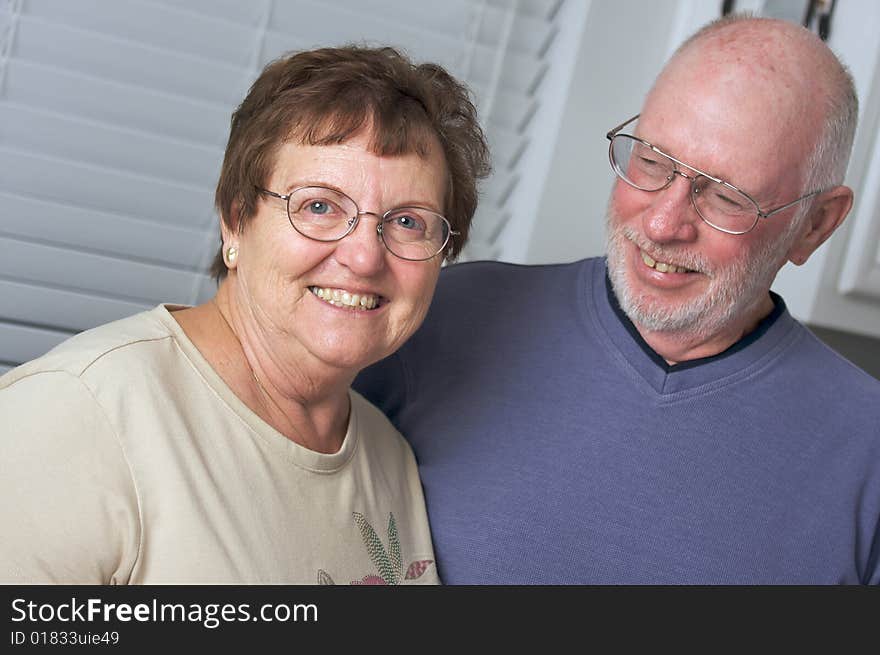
[(82, 351)]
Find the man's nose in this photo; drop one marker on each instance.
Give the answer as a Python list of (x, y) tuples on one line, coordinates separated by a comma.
[(671, 216)]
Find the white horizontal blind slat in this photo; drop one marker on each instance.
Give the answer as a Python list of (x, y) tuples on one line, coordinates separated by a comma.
[(60, 309), (116, 103), (104, 189), (156, 26), (542, 9), (95, 274), (94, 54), (9, 13), (235, 11), (5, 24), (520, 73), (495, 191), (20, 343), (506, 146), (530, 35), (141, 153), (512, 110), (397, 21), (88, 230)]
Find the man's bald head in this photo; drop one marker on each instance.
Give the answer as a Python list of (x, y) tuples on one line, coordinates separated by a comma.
[(802, 83)]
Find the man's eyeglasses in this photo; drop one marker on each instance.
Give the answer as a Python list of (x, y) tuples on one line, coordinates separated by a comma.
[(322, 214), (720, 204)]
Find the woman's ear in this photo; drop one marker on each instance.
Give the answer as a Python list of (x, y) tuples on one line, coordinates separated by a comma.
[(230, 228), (826, 215)]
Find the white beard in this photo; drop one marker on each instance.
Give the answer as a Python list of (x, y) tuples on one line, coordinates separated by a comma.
[(732, 290)]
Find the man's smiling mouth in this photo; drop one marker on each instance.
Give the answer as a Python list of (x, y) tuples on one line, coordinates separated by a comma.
[(663, 267)]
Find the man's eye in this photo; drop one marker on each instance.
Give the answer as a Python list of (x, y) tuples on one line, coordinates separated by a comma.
[(727, 201)]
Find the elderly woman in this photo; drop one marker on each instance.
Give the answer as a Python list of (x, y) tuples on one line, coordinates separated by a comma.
[(222, 443)]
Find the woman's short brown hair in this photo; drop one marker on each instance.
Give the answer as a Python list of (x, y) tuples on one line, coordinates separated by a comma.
[(328, 95)]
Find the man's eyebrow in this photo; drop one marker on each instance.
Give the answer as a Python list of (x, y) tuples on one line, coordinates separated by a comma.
[(669, 153)]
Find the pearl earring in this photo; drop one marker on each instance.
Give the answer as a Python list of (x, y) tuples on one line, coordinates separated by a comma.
[(231, 253)]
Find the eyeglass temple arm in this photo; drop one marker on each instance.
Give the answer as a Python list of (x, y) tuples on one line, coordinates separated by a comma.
[(617, 129), (789, 204), (273, 194)]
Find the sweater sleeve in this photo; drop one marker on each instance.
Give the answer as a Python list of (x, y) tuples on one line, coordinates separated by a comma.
[(68, 502)]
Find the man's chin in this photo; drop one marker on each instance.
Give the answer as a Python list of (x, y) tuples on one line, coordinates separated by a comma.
[(650, 313), (654, 317)]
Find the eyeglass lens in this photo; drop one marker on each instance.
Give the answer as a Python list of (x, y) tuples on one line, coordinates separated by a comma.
[(327, 215), (720, 205)]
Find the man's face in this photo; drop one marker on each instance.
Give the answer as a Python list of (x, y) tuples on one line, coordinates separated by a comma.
[(672, 272)]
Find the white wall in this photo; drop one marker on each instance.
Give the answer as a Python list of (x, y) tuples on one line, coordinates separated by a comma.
[(608, 87)]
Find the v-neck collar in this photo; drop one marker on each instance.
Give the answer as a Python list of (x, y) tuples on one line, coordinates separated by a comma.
[(740, 359)]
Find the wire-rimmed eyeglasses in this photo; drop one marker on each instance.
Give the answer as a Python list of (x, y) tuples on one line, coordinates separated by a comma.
[(720, 204), (322, 214)]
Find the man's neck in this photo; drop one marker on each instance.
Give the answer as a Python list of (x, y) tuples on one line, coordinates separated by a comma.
[(686, 345)]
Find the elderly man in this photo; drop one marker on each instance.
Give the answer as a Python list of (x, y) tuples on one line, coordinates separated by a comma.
[(658, 416)]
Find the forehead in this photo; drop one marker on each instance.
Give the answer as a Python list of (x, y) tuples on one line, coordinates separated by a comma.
[(727, 122), (353, 166)]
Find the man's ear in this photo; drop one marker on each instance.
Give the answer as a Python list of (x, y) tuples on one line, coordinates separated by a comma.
[(828, 211)]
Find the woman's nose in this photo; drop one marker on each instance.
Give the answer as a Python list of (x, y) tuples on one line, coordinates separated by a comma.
[(671, 216), (362, 251)]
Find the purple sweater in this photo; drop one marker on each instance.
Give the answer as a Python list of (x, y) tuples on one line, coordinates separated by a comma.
[(555, 447)]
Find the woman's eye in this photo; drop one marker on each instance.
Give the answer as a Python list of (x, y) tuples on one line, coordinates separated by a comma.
[(409, 222), (319, 207)]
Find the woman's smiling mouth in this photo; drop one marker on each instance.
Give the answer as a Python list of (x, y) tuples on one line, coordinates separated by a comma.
[(347, 299)]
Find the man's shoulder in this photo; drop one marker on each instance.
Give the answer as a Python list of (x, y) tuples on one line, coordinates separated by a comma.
[(813, 375), (511, 269), (488, 302), (382, 437), (488, 276), (825, 362)]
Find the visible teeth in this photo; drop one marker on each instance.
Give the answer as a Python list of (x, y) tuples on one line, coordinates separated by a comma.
[(663, 267), (342, 298)]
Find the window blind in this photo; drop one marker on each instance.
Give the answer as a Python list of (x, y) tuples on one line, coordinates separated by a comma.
[(114, 115)]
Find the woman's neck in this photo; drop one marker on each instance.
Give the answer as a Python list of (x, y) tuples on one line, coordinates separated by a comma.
[(309, 408)]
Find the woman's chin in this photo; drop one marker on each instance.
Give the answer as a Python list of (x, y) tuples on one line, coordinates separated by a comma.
[(349, 356)]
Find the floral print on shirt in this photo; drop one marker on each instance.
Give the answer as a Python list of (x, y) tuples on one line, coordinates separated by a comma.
[(388, 562)]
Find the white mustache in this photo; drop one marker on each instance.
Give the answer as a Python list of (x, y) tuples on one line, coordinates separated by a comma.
[(692, 261)]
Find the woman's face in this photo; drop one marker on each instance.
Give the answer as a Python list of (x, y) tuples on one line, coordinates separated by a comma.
[(275, 279)]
